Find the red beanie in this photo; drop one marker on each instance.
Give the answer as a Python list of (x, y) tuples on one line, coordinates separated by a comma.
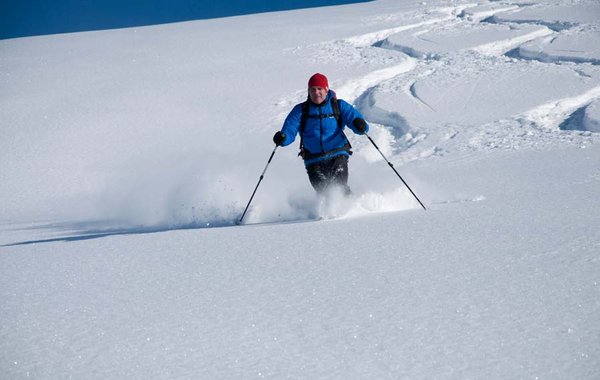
[(318, 80)]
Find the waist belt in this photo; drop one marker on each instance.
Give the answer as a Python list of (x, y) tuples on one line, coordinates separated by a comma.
[(307, 155)]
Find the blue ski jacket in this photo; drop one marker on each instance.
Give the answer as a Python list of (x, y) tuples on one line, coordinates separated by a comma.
[(321, 132)]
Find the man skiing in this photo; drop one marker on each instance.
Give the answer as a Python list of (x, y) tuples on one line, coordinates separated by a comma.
[(320, 122)]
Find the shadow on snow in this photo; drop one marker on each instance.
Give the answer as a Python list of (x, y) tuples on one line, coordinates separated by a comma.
[(79, 231), (88, 230)]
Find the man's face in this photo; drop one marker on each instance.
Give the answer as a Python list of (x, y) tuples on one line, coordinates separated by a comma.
[(317, 94)]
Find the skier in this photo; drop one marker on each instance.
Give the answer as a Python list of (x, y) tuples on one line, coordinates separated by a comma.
[(320, 122)]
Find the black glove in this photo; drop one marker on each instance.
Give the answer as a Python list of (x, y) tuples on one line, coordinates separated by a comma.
[(360, 125), (279, 138)]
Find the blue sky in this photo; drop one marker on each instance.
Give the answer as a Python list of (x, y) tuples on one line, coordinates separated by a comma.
[(20, 18)]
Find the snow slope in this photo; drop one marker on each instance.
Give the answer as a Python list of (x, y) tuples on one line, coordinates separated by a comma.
[(127, 155)]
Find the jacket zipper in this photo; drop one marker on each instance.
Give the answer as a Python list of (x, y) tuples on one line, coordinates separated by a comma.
[(321, 128)]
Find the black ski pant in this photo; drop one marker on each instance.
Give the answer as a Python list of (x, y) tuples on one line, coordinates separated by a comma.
[(328, 173)]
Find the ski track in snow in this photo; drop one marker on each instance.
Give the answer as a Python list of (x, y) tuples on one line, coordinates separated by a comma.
[(373, 38), (500, 47), (552, 114), (359, 87)]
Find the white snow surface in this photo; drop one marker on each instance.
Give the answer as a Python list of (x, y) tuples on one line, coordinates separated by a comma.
[(557, 14), (576, 47), (127, 156)]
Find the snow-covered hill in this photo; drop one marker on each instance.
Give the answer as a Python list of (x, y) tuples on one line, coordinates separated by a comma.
[(128, 155)]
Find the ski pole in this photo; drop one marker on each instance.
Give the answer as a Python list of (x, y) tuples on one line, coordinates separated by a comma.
[(394, 169), (260, 179)]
